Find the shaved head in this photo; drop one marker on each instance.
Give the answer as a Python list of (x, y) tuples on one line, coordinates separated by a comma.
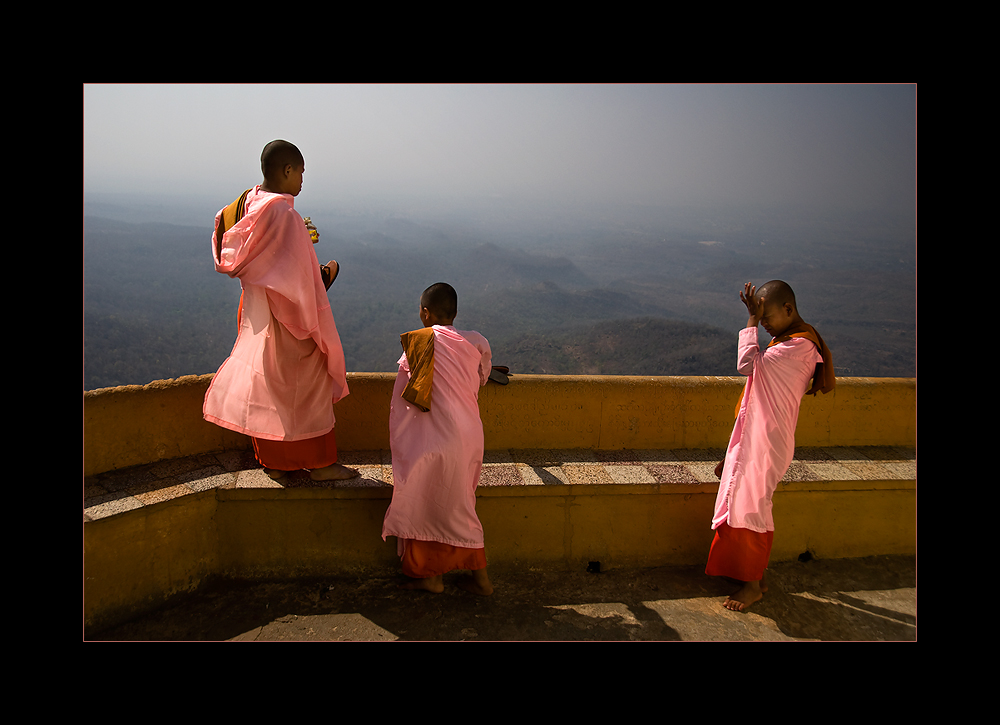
[(277, 155), (441, 300), (777, 292)]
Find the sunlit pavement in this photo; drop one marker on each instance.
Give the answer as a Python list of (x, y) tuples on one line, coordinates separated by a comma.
[(870, 599)]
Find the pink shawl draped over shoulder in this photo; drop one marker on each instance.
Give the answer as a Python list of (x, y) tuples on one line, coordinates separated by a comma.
[(287, 368)]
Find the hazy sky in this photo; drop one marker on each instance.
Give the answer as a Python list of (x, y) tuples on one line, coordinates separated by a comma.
[(838, 146)]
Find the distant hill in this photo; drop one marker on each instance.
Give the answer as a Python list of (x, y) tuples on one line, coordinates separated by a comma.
[(642, 346), (655, 294), (154, 306)]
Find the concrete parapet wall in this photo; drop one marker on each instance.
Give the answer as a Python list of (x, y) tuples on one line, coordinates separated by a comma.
[(135, 424), (200, 508), (137, 560), (132, 425)]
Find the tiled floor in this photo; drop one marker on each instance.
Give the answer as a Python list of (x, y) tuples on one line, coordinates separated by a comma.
[(118, 491)]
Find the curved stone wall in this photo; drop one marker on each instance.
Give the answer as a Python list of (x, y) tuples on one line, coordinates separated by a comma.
[(612, 469), (134, 424)]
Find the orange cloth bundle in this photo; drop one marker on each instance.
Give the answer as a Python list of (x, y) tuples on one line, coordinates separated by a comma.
[(823, 379), (419, 348), (230, 215)]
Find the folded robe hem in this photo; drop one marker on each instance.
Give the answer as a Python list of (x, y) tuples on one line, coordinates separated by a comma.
[(262, 434)]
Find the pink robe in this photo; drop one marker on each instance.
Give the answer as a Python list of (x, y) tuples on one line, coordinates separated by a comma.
[(437, 455), (287, 368), (763, 441)]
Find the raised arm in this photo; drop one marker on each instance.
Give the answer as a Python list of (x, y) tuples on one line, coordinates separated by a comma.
[(748, 346), (754, 306)]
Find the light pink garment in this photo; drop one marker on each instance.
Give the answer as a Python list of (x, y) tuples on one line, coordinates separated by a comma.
[(763, 441), (287, 368), (437, 455)]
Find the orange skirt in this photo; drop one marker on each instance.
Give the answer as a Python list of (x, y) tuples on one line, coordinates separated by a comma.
[(311, 453), (423, 559), (739, 554)]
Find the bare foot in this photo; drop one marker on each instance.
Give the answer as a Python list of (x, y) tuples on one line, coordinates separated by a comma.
[(748, 594), (478, 583), (274, 473), (336, 472), (434, 584)]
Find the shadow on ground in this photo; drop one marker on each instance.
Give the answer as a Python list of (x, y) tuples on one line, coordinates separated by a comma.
[(873, 598)]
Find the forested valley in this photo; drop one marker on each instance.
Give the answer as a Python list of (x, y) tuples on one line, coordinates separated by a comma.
[(650, 292)]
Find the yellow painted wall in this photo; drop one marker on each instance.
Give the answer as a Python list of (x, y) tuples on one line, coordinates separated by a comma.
[(137, 560), (137, 424), (302, 532), (132, 425)]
